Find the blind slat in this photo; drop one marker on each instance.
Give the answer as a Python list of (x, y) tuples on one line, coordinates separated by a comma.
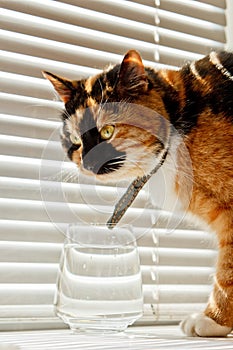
[(180, 293), (26, 311), (42, 317), (170, 311), (29, 147), (15, 272), (49, 253), (164, 3), (26, 64), (16, 209), (152, 313), (28, 127), (41, 169), (152, 237), (180, 275), (206, 12), (217, 3), (177, 257), (44, 294), (25, 86), (68, 192), (178, 238), (32, 231), (32, 252), (24, 294), (32, 168), (27, 252), (28, 273), (29, 106)]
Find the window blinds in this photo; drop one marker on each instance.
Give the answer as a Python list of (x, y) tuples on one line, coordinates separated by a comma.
[(41, 192)]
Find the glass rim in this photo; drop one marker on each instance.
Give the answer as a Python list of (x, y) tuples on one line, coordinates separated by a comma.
[(103, 238)]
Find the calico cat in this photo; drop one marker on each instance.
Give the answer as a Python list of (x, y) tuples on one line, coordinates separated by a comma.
[(120, 124)]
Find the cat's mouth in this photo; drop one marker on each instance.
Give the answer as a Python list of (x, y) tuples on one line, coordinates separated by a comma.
[(102, 167), (111, 165)]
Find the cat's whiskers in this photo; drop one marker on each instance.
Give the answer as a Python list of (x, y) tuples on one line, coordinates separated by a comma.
[(102, 105), (64, 175), (182, 173), (66, 114), (102, 91), (118, 162), (57, 176), (72, 176)]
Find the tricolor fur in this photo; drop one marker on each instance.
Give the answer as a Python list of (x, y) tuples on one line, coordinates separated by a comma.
[(118, 119)]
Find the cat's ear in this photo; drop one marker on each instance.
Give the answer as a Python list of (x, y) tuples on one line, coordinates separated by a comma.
[(132, 76), (64, 87)]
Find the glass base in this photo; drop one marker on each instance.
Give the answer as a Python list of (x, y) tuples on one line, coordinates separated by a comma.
[(109, 323)]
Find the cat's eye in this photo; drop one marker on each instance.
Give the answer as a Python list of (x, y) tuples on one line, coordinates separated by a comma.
[(107, 131), (75, 139)]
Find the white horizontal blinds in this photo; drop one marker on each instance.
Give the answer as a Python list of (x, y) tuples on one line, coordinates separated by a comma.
[(80, 32), (185, 29), (177, 269), (41, 191)]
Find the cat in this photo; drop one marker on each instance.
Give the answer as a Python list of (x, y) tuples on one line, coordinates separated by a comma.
[(120, 124)]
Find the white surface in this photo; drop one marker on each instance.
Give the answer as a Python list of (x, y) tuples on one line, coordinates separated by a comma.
[(4, 346), (136, 338)]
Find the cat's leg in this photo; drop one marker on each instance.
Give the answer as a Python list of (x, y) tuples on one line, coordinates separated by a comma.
[(217, 319)]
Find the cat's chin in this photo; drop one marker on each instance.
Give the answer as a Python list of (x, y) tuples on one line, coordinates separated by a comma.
[(113, 176)]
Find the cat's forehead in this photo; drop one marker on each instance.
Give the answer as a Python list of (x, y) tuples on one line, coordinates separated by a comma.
[(92, 91), (101, 84), (90, 101)]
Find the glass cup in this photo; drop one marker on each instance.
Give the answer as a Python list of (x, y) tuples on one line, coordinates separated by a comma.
[(99, 285)]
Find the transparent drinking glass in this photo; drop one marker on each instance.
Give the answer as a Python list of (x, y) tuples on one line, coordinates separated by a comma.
[(99, 284)]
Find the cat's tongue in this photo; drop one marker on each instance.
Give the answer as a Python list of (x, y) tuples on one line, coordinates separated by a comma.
[(127, 199)]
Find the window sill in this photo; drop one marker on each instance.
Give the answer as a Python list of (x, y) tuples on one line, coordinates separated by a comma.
[(136, 338)]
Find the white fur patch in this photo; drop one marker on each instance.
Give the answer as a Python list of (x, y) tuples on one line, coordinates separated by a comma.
[(162, 189), (199, 325), (162, 184), (214, 59)]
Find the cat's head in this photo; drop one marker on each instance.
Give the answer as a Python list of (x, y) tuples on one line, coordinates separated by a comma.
[(111, 128)]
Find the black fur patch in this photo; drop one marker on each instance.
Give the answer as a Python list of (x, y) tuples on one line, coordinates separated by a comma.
[(167, 92), (194, 104), (98, 155), (78, 100), (71, 150), (98, 88)]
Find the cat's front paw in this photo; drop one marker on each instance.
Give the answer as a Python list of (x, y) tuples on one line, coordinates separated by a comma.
[(200, 325)]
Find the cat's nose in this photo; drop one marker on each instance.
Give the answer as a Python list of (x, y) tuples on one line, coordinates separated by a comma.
[(89, 167), (101, 159)]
